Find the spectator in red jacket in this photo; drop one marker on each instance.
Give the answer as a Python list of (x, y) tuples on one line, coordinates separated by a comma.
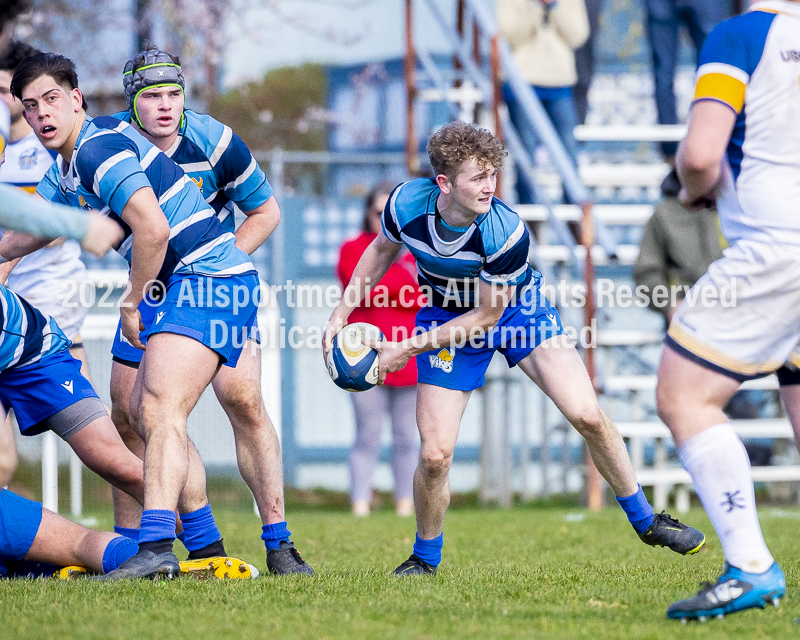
[(391, 306)]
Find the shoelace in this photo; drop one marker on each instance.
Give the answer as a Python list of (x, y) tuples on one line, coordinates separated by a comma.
[(297, 555), (670, 520)]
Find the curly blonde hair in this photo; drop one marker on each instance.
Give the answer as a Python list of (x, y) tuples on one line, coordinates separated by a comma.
[(458, 142)]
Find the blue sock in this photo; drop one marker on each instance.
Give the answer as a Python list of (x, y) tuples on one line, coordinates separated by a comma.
[(637, 508), (117, 552), (133, 534), (157, 524), (199, 529), (429, 550), (274, 534)]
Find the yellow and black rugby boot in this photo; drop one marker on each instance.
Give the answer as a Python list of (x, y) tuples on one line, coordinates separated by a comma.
[(222, 568), (666, 531)]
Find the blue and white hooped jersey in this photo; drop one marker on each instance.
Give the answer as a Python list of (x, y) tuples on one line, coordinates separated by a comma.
[(494, 248), (110, 163), (220, 164), (751, 63), (27, 334)]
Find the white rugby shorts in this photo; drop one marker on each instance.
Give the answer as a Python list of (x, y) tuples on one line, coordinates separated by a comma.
[(742, 318)]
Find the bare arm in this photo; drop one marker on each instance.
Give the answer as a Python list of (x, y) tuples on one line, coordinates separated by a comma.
[(258, 226), (701, 152), (372, 266), (150, 228), (17, 244), (492, 302)]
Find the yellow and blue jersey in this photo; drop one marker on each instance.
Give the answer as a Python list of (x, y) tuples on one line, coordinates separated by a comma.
[(110, 163), (751, 64), (26, 163), (494, 248), (27, 334), (220, 164)]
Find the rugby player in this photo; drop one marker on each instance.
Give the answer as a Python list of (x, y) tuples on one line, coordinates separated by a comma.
[(472, 261), (743, 151), (172, 237), (221, 165), (42, 278)]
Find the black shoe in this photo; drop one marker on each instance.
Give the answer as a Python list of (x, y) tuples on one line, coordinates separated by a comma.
[(145, 564), (214, 550), (415, 566), (666, 531), (287, 560)]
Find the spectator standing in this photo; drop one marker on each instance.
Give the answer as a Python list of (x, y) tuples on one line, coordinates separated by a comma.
[(677, 247), (543, 35), (392, 307), (585, 60), (664, 19)]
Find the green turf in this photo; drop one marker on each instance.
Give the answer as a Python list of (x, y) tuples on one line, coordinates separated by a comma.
[(546, 573)]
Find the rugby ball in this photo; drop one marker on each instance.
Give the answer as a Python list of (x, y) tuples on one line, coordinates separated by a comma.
[(351, 364)]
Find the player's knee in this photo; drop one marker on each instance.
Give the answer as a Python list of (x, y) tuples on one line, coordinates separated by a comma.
[(246, 405), (435, 461), (122, 421), (590, 420)]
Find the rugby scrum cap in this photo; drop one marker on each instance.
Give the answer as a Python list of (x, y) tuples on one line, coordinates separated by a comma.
[(148, 69)]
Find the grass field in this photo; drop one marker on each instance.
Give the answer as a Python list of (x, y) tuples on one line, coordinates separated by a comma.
[(549, 572)]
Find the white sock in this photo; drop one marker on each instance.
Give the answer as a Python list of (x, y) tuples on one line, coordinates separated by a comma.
[(720, 469)]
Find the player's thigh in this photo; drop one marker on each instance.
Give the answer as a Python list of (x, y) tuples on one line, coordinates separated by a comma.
[(790, 395), (684, 387), (242, 383), (176, 371), (557, 369), (439, 413), (99, 441), (58, 540)]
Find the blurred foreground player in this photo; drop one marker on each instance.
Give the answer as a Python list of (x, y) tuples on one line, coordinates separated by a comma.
[(472, 260), (742, 150)]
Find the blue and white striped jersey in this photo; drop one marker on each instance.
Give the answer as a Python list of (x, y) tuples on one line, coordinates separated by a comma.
[(220, 164), (27, 334), (110, 163), (494, 248)]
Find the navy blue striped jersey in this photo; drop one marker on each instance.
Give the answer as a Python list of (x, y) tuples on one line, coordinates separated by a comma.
[(110, 163), (494, 248), (27, 334), (220, 164)]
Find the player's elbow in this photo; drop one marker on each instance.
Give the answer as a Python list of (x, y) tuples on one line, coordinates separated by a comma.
[(694, 158), (157, 233)]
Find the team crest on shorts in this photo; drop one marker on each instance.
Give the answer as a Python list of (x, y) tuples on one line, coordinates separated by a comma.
[(443, 360)]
